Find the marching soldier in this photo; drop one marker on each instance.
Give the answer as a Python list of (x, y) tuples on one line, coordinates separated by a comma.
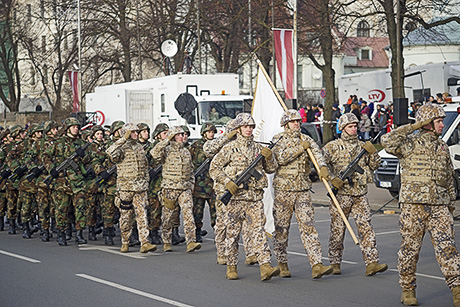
[(292, 193), (245, 204), (5, 139), (426, 196), (176, 186), (352, 197), (132, 185)]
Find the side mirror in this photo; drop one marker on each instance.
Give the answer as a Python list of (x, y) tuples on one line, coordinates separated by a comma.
[(457, 157)]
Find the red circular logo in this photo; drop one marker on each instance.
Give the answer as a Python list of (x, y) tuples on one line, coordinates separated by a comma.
[(376, 95)]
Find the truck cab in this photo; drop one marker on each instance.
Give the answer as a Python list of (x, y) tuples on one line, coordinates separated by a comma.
[(387, 176)]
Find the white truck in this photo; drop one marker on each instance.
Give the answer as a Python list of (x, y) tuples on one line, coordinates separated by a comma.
[(375, 86), (155, 101)]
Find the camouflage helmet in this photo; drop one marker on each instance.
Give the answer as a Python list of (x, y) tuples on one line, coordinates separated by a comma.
[(208, 127), (15, 130), (186, 129), (175, 130), (49, 125), (159, 129), (289, 115), (4, 134), (346, 119), (244, 119), (128, 127), (85, 134), (32, 128), (71, 121), (143, 126), (429, 111), (230, 126), (116, 125), (95, 129)]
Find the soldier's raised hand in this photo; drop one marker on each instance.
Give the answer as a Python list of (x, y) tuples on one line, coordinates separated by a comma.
[(421, 124), (231, 134), (369, 147)]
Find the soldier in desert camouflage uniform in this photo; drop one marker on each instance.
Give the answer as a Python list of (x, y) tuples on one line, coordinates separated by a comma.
[(203, 191), (176, 186), (132, 185), (230, 162), (352, 198), (292, 193), (5, 139), (426, 196)]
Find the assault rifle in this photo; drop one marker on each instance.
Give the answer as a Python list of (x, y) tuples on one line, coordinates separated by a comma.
[(203, 168), (69, 162), (5, 174), (35, 172), (244, 177), (18, 173), (112, 170), (155, 172), (89, 173)]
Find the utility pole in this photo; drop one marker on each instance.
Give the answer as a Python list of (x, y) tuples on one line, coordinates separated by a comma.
[(251, 91)]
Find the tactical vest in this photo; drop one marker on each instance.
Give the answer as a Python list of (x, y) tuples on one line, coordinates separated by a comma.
[(177, 166), (133, 164)]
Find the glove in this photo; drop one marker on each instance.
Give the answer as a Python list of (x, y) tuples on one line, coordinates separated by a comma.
[(54, 173), (127, 135), (80, 152), (232, 187), (369, 147), (337, 182), (267, 153), (324, 173), (170, 137), (231, 134), (104, 175), (305, 144), (419, 125), (168, 203)]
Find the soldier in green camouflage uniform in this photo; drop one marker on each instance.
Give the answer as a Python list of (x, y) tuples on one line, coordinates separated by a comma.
[(292, 193), (203, 191), (245, 204), (5, 138), (352, 198), (176, 186), (13, 160), (426, 196), (132, 185)]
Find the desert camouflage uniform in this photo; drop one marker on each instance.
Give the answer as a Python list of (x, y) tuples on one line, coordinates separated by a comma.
[(427, 190), (132, 185), (176, 185), (110, 187), (353, 200), (247, 205), (292, 193)]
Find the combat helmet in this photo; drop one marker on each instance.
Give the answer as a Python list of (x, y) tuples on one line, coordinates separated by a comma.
[(4, 134), (244, 119), (208, 127), (95, 129), (175, 130), (429, 111), (346, 119), (15, 130), (49, 125), (85, 134), (289, 115), (186, 129), (71, 121), (159, 129), (116, 125), (143, 126)]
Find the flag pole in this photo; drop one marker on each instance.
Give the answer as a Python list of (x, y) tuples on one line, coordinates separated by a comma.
[(312, 157), (294, 51)]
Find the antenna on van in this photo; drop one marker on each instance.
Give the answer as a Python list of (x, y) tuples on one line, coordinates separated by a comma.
[(168, 49)]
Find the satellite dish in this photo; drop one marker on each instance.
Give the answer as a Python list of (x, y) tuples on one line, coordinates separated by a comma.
[(169, 48)]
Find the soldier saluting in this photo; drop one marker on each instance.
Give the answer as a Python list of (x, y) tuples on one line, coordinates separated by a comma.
[(427, 191)]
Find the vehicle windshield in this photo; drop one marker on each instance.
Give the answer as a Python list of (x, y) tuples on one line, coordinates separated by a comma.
[(219, 112), (448, 120)]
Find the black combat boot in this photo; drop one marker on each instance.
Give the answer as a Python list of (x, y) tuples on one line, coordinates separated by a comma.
[(45, 235), (109, 234), (12, 229), (26, 230), (198, 237), (35, 227), (61, 238), (68, 234), (79, 239), (176, 238), (92, 233), (2, 223), (155, 237), (53, 225), (134, 238)]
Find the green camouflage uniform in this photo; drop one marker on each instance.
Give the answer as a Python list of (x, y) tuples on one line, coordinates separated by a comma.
[(13, 160), (28, 190), (46, 205), (3, 154)]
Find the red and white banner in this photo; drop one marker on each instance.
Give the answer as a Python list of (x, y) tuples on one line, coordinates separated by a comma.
[(285, 59), (73, 76)]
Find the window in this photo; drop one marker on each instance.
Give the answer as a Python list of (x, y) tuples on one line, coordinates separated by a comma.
[(29, 12), (363, 29), (45, 74), (42, 8), (43, 44), (32, 76), (163, 106), (365, 53), (299, 76)]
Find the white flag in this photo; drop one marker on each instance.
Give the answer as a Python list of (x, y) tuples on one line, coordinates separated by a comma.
[(266, 111)]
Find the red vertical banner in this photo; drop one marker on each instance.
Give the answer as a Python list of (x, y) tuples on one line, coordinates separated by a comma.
[(285, 59), (73, 76)]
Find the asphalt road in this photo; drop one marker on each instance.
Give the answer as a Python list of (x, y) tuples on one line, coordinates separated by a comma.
[(44, 274)]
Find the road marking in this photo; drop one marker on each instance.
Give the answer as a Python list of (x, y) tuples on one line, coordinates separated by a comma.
[(134, 291), (110, 250), (387, 232), (19, 257), (422, 275)]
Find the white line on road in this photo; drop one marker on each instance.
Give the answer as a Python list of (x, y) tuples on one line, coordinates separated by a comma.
[(422, 275), (112, 251), (19, 257), (387, 232), (134, 291)]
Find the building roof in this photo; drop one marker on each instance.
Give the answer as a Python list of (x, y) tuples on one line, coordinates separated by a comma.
[(377, 44), (446, 34)]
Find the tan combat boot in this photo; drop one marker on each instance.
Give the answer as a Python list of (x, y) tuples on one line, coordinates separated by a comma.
[(147, 247), (251, 260), (375, 267), (221, 260), (318, 270), (231, 272), (456, 295), (193, 246), (124, 248), (167, 247), (408, 298), (267, 271), (336, 269), (284, 270)]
